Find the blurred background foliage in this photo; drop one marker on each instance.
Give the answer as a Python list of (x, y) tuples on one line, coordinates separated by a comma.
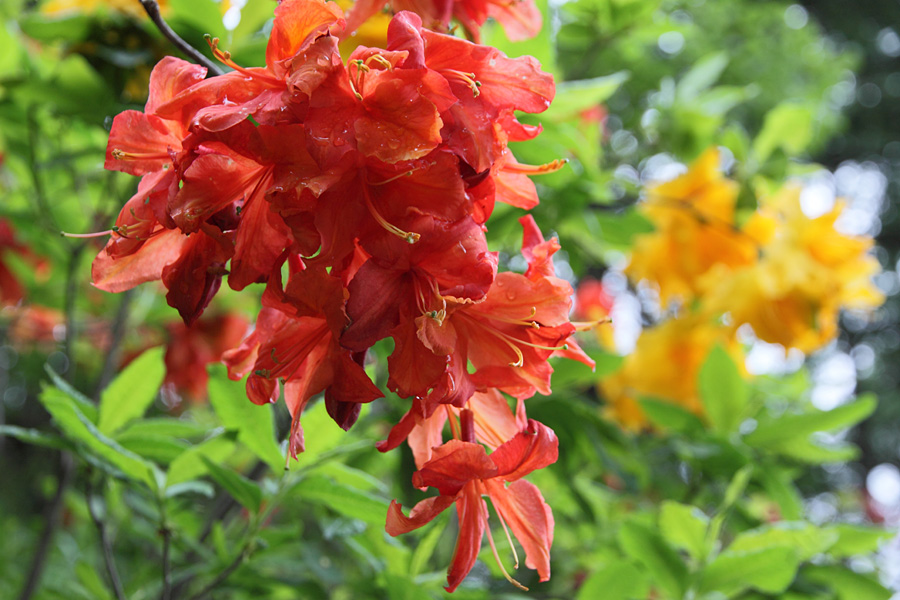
[(785, 486)]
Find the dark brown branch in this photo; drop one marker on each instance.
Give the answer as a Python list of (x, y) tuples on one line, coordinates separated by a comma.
[(105, 545), (51, 520), (166, 561), (221, 577), (117, 334), (152, 8)]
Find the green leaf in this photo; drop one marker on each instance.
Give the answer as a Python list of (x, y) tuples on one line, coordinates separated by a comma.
[(847, 584), (131, 393), (736, 486), (343, 499), (424, 549), (194, 486), (33, 436), (569, 373), (770, 434), (789, 127), (254, 424), (661, 561), (84, 404), (684, 527), (722, 390), (165, 426), (769, 570), (670, 417), (856, 540), (701, 77), (76, 426), (73, 27), (190, 464), (572, 97), (246, 492), (619, 580), (805, 539), (159, 448)]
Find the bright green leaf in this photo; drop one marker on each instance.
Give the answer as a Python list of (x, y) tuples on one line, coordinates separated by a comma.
[(722, 390), (772, 433), (684, 527), (662, 563), (572, 97), (76, 426), (769, 570), (246, 492), (855, 540), (190, 464), (343, 499), (805, 539), (670, 417), (254, 424), (847, 584), (131, 393), (789, 127), (620, 580)]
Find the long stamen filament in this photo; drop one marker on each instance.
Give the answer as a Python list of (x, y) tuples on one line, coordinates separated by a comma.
[(550, 167), (526, 322), (409, 236), (508, 577), (381, 61), (119, 154), (588, 325), (87, 235), (466, 78), (394, 178), (508, 537)]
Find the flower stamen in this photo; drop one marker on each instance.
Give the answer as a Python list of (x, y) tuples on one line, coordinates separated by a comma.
[(550, 167), (408, 236)]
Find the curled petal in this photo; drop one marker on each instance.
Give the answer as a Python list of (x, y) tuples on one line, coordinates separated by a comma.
[(422, 513)]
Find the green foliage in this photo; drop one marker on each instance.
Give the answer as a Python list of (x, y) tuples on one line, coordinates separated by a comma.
[(701, 507)]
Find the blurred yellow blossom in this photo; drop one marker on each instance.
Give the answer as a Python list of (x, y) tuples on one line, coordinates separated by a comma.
[(132, 8), (806, 274), (664, 366), (694, 218)]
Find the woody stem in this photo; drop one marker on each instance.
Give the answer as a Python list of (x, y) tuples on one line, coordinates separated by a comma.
[(152, 9)]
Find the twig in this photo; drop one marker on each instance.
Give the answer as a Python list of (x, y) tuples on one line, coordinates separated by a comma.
[(152, 8), (166, 562), (51, 521), (117, 333), (221, 577), (69, 309), (105, 544)]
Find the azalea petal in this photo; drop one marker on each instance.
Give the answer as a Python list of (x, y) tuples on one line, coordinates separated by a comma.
[(472, 513), (529, 517), (453, 465), (529, 450), (140, 144), (147, 264), (170, 77), (422, 513)]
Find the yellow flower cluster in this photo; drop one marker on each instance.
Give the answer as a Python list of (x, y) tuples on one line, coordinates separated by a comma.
[(784, 274)]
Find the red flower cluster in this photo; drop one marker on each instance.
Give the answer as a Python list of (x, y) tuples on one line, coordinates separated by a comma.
[(367, 183)]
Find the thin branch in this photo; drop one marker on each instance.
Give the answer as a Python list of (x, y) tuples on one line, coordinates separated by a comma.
[(231, 568), (105, 544), (51, 521), (152, 8), (117, 334), (69, 309), (166, 562)]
